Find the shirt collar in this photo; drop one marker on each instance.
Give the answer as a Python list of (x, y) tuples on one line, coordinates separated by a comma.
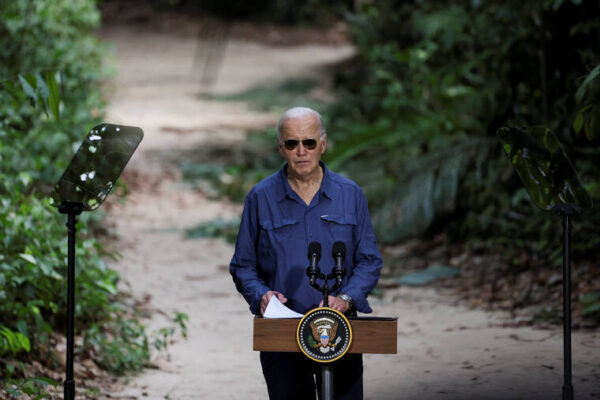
[(327, 188)]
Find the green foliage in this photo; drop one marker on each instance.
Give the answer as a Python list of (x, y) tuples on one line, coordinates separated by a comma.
[(278, 97), (433, 82), (587, 119), (416, 128), (181, 320), (122, 345), (33, 388), (162, 335), (429, 187), (217, 180), (591, 305), (227, 229), (12, 342), (50, 62), (231, 171), (50, 71), (33, 269)]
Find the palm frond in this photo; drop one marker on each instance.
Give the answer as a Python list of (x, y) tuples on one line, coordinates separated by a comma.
[(427, 187)]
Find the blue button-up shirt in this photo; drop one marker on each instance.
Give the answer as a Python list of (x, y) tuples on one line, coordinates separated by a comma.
[(276, 228)]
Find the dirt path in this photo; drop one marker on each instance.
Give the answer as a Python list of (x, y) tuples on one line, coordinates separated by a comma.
[(445, 351)]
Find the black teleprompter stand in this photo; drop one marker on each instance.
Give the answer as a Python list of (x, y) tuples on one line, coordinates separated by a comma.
[(314, 273), (566, 211), (72, 209), (83, 186), (553, 185)]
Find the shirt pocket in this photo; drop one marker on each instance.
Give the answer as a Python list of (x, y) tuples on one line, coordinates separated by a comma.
[(276, 234), (341, 226), (277, 224)]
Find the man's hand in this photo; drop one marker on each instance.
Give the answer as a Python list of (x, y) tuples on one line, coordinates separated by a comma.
[(337, 304), (267, 297)]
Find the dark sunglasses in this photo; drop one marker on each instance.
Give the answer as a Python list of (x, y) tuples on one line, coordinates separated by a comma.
[(309, 144)]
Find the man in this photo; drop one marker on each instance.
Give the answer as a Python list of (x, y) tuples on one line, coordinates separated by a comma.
[(302, 203)]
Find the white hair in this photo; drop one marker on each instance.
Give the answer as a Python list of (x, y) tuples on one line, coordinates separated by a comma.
[(297, 112)]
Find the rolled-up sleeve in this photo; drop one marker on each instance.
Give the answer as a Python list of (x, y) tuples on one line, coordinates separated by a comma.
[(244, 264), (367, 259)]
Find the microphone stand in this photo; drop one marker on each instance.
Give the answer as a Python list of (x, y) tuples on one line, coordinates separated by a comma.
[(315, 273)]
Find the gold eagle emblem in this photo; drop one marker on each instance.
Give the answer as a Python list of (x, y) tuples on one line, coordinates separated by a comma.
[(324, 331)]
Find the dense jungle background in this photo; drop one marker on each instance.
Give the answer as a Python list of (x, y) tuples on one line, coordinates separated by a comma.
[(413, 121)]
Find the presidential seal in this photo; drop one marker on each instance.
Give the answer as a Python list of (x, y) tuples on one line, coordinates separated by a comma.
[(324, 335)]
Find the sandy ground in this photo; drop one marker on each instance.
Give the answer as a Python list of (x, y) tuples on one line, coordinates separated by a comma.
[(445, 351)]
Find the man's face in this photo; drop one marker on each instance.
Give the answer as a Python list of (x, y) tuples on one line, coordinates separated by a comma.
[(302, 161)]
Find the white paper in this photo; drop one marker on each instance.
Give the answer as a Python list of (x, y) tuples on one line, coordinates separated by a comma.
[(275, 309)]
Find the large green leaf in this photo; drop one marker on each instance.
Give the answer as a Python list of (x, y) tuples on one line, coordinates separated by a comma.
[(27, 88), (593, 75), (426, 189), (54, 95)]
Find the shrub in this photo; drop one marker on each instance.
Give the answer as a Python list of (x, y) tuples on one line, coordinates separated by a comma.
[(50, 72)]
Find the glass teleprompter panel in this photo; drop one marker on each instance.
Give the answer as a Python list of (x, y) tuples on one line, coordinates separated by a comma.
[(543, 166), (97, 165)]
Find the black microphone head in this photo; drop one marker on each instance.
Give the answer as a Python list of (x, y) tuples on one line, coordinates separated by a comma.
[(314, 248), (339, 249)]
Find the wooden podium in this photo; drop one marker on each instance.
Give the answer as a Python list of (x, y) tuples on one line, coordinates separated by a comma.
[(369, 334)]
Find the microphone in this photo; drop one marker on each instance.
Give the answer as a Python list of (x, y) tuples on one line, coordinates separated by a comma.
[(314, 255), (339, 253)]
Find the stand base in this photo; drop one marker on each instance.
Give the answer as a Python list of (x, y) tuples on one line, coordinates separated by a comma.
[(567, 393), (69, 390)]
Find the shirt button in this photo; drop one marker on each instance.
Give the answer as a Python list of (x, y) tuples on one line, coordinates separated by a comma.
[(310, 235)]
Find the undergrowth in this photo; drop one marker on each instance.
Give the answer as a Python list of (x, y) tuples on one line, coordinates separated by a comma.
[(50, 73)]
